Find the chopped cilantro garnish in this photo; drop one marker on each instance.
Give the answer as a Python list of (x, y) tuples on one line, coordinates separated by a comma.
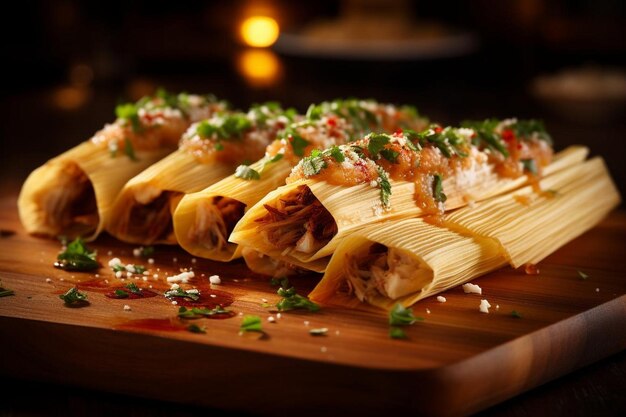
[(121, 294), (139, 269), (376, 142), (282, 281), (319, 332), (385, 187), (293, 301), (390, 155), (130, 113), (129, 150), (218, 146), (73, 297), (251, 324), (336, 154), (582, 275), (396, 333), (146, 251), (246, 173), (298, 143), (4, 292), (77, 257), (275, 158), (132, 287), (516, 315), (401, 316), (312, 165), (195, 312), (438, 193), (194, 328), (193, 295), (529, 165)]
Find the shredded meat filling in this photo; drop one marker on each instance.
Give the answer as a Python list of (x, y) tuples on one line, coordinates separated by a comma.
[(72, 207), (215, 222), (152, 221), (298, 220)]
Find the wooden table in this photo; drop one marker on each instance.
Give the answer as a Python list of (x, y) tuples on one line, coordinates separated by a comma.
[(456, 361)]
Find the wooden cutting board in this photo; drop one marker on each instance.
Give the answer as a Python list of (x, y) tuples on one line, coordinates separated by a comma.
[(456, 361)]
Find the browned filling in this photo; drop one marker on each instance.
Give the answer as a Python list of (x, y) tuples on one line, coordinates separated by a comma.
[(215, 221), (152, 221), (71, 207), (298, 220)]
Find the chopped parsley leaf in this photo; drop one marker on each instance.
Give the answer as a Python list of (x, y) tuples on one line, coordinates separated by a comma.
[(129, 150), (385, 187), (194, 328), (179, 292), (298, 143), (130, 113), (376, 142), (246, 173), (282, 281), (530, 166), (336, 154), (397, 333), (4, 292), (146, 251), (312, 165), (132, 287), (218, 146), (251, 324), (438, 193), (121, 294), (195, 312), (390, 155), (401, 316), (582, 275), (293, 301), (516, 315), (73, 297), (77, 257)]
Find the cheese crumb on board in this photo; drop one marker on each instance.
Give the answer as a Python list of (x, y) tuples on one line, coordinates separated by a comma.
[(215, 279), (484, 306), (470, 288), (441, 299), (127, 307), (183, 277)]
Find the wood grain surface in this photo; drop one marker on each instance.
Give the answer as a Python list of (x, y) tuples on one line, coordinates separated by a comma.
[(455, 362)]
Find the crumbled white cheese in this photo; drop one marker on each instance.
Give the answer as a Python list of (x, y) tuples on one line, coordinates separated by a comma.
[(597, 289), (193, 260), (497, 306), (373, 183), (174, 260), (484, 306), (193, 291), (174, 287), (127, 307), (118, 274), (472, 289), (48, 280), (183, 277), (278, 315), (271, 319), (114, 262), (441, 299), (174, 303), (306, 323), (323, 349), (215, 279), (151, 261), (427, 311), (212, 295), (137, 252)]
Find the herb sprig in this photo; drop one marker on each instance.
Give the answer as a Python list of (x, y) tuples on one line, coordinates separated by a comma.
[(77, 257)]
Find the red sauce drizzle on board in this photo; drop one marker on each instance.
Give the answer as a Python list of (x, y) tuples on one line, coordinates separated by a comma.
[(168, 325)]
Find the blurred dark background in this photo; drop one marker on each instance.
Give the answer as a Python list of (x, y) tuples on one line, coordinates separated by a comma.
[(67, 63)]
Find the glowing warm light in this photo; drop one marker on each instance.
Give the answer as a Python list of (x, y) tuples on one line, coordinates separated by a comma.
[(260, 67), (259, 31), (70, 97)]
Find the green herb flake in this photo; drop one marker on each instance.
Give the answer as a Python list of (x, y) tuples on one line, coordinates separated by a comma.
[(196, 313), (121, 294), (390, 155), (194, 328), (299, 144), (282, 281), (582, 275), (516, 315), (530, 166), (130, 113), (132, 287), (336, 154), (218, 146), (77, 257), (146, 251), (293, 301), (438, 193), (397, 333), (118, 268), (193, 295), (139, 269), (4, 292), (401, 316), (73, 297), (376, 142), (322, 331), (251, 324), (129, 150), (385, 187), (246, 173), (312, 165)]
